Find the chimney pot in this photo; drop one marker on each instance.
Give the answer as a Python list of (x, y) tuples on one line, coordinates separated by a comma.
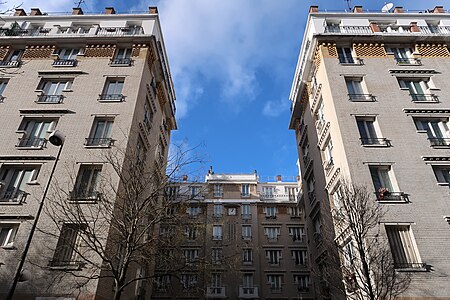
[(398, 10), (357, 9), (185, 177), (279, 178), (77, 11), (110, 11), (20, 12), (153, 10), (439, 9), (313, 9)]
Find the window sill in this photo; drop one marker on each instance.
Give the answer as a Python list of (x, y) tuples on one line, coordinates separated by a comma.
[(413, 270), (247, 263), (440, 146), (67, 268), (443, 183), (97, 146), (387, 145), (11, 247), (393, 201), (83, 201), (30, 148), (425, 102), (11, 202), (114, 101)]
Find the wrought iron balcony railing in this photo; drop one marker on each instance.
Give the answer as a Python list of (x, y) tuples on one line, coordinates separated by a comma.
[(82, 194), (10, 63), (348, 29), (362, 98), (111, 97), (375, 142), (121, 62), (15, 196), (26, 142), (435, 141), (54, 99), (410, 265), (408, 61), (350, 60), (424, 98), (391, 196), (65, 63), (246, 292), (99, 142)]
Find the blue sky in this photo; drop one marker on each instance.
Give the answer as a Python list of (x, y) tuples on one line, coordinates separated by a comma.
[(232, 63)]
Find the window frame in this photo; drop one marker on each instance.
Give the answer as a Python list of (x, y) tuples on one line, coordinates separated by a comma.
[(101, 139), (116, 95)]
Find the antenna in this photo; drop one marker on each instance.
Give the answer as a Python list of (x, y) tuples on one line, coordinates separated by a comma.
[(78, 3), (349, 4), (387, 7)]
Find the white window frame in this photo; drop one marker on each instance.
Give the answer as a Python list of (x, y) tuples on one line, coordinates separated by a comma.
[(247, 255), (14, 179), (272, 233), (246, 232), (271, 212), (298, 233), (87, 189), (8, 231), (245, 190), (217, 232), (442, 174), (403, 246)]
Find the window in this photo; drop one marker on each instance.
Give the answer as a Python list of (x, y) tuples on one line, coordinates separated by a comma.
[(247, 232), (216, 284), (217, 232), (141, 153), (191, 232), (188, 281), (35, 132), (218, 191), (148, 114), (404, 56), (66, 57), (3, 84), (300, 257), (14, 180), (218, 210), (245, 190), (100, 135), (190, 255), (162, 282), (345, 55), (297, 233), (216, 255), (271, 212), (52, 90), (247, 284), (246, 211), (13, 60), (86, 184), (193, 211), (403, 248), (302, 282), (113, 90), (67, 246), (7, 234), (272, 233), (122, 57), (442, 174), (195, 190), (295, 212), (369, 132), (437, 130), (273, 256), (247, 257), (357, 90), (327, 153), (268, 192), (275, 282), (348, 254), (320, 117), (291, 192), (419, 89)]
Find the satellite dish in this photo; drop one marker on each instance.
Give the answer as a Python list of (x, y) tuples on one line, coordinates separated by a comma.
[(387, 7)]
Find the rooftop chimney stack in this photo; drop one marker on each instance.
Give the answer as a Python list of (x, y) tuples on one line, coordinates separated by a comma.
[(110, 11), (398, 9), (185, 177), (20, 12), (313, 9), (438, 10), (279, 178), (35, 12), (77, 11), (358, 9), (153, 10)]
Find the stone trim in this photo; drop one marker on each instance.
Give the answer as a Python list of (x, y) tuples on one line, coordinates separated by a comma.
[(4, 50), (369, 50), (100, 50), (433, 50), (39, 52)]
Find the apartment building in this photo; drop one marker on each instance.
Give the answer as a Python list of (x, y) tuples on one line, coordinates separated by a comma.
[(371, 104), (104, 81), (249, 241)]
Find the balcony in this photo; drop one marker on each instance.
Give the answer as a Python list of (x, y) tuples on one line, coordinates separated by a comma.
[(438, 30), (276, 289), (246, 216), (65, 264), (349, 60), (375, 142), (111, 97), (218, 194), (14, 197), (132, 30), (80, 194), (120, 62), (424, 98), (99, 142), (319, 125), (303, 288), (10, 63), (395, 29), (312, 198), (384, 195), (50, 99), (410, 266), (101, 31), (37, 143), (216, 292), (348, 29), (408, 61), (439, 142), (2, 99), (362, 98), (328, 165), (24, 32), (248, 292), (245, 195), (65, 63)]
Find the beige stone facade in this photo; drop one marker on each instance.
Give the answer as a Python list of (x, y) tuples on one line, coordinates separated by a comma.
[(376, 112), (104, 81)]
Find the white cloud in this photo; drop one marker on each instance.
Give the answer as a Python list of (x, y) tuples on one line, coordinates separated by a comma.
[(275, 108)]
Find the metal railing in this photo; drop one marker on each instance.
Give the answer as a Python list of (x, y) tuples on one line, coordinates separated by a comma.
[(65, 264), (362, 97), (350, 60), (24, 32), (216, 291), (56, 99), (32, 142), (65, 63), (375, 141), (410, 265), (436, 141), (408, 61), (104, 142), (391, 196), (435, 29), (246, 216), (348, 29), (81, 194), (248, 292), (111, 97), (10, 64), (120, 62), (424, 98), (218, 194), (132, 30), (16, 196), (329, 165), (394, 29)]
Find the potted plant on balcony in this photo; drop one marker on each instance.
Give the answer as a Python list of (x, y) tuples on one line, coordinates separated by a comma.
[(382, 193)]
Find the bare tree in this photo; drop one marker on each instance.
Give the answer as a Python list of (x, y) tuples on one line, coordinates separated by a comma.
[(106, 225), (366, 261)]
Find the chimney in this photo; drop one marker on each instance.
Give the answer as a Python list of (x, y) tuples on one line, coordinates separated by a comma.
[(357, 9), (298, 177), (153, 10), (438, 10), (398, 10), (279, 178), (35, 12), (77, 11), (313, 9), (374, 27), (185, 177), (110, 11), (20, 12), (413, 27)]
